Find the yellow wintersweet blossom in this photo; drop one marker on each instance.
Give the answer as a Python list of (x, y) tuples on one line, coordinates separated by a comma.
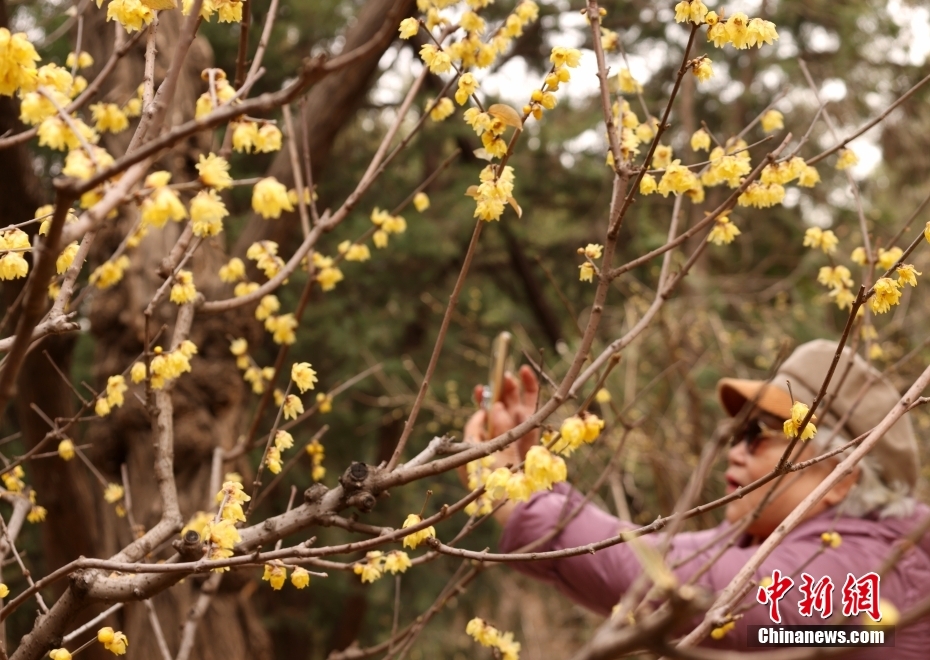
[(283, 440), (772, 121), (416, 538), (725, 168), (304, 376), (275, 574), (300, 577), (831, 539), (269, 198), (435, 58), (282, 328), (694, 11), (113, 493), (18, 58), (37, 514), (397, 561), (586, 272), (602, 396), (268, 139), (131, 14), (662, 157), (837, 277), (442, 109), (887, 294), (627, 83), (700, 140), (317, 455), (109, 117), (809, 177), (222, 537), (102, 408), (927, 231), (163, 203), (888, 258), (817, 238), (907, 274), (66, 449), (325, 402), (82, 60), (234, 497), (793, 424), (13, 480), (273, 460), (116, 387), (214, 171), (421, 201), (561, 56), (724, 232), (409, 27), (721, 632), (59, 654), (648, 185), (183, 291), (371, 569), (858, 256), (293, 406), (847, 159), (66, 258), (113, 641), (542, 469), (245, 135), (703, 70), (677, 179), (233, 270), (467, 86), (264, 254)]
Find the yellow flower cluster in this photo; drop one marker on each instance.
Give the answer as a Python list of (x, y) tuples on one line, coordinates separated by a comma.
[(317, 454), (112, 396), (59, 654), (627, 83), (133, 15), (66, 449), (113, 641), (292, 406), (328, 275), (421, 201), (304, 376), (377, 563), (221, 537), (387, 224), (721, 632), (690, 10), (325, 402), (478, 472), (831, 539), (231, 496), (276, 573), (839, 280), (416, 538), (221, 94), (762, 195), (907, 274), (489, 636), (887, 295), (282, 442), (408, 28), (888, 258), (233, 270), (354, 251), (228, 11), (214, 171), (772, 120), (207, 213), (36, 513), (109, 117), (248, 137), (703, 69), (493, 192), (58, 89), (269, 198), (793, 424), (113, 493), (817, 238), (489, 129), (166, 366), (847, 159), (576, 431), (265, 256), (18, 58), (679, 179), (183, 290), (739, 30), (163, 203), (591, 251), (12, 264), (724, 232), (442, 109)]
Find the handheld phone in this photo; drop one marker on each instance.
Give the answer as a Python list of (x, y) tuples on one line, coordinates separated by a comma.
[(500, 351)]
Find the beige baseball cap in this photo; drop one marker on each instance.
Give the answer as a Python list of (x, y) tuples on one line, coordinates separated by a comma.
[(895, 456)]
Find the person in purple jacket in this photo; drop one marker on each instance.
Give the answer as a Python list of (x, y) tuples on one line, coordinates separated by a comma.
[(840, 545)]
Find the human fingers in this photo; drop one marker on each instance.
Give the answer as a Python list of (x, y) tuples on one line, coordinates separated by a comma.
[(528, 440), (510, 391), (530, 386), (501, 419), (478, 394), (475, 427)]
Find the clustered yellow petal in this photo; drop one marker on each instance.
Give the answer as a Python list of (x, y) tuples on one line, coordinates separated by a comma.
[(793, 424), (232, 496), (724, 232), (275, 574), (265, 256), (416, 538), (113, 641), (678, 179), (269, 198), (66, 449), (772, 120), (12, 264), (741, 31), (817, 238), (304, 376), (887, 295), (409, 27), (207, 213), (489, 636), (214, 171), (183, 290), (18, 58), (575, 431), (888, 258), (493, 193), (316, 451), (847, 159), (762, 195)]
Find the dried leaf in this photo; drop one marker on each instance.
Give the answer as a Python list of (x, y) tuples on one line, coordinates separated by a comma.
[(483, 154), (507, 115), (516, 207), (472, 191)]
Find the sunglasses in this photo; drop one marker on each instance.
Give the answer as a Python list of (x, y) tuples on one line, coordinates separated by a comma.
[(753, 433)]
